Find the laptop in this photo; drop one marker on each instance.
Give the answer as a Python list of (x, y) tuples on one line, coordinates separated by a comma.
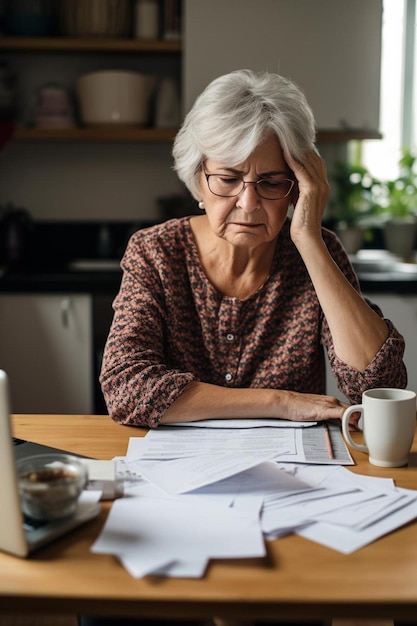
[(20, 535)]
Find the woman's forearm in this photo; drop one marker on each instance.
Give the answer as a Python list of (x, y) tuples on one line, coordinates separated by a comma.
[(357, 331), (201, 401)]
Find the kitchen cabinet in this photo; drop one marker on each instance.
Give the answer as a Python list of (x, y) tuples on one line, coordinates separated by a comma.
[(331, 48), (401, 309), (46, 347)]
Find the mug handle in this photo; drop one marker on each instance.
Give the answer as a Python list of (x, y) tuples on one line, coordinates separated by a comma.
[(355, 408)]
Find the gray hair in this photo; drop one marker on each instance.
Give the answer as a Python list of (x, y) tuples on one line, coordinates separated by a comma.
[(232, 116)]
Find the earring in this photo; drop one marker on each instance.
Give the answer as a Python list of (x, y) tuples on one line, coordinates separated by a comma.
[(201, 206)]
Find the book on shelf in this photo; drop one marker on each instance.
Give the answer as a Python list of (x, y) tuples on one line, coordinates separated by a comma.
[(172, 20)]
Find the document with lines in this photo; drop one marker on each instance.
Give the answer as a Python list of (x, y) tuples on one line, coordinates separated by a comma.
[(303, 445)]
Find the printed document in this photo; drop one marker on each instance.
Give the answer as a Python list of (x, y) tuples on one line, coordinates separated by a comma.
[(304, 445)]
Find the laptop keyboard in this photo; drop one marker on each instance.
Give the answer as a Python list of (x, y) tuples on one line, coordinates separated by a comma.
[(17, 442), (29, 523)]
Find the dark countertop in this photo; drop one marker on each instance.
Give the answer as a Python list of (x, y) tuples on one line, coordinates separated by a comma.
[(93, 282), (65, 256), (46, 263), (379, 271), (106, 282), (384, 284)]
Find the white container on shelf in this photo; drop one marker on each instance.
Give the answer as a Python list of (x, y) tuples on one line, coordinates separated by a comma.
[(114, 97), (146, 19)]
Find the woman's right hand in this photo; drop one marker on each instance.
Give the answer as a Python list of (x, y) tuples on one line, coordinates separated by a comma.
[(309, 407), (313, 194)]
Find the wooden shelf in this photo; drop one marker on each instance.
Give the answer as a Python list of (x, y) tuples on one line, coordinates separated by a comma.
[(99, 133), (336, 135), (92, 45), (115, 46), (135, 133), (89, 44)]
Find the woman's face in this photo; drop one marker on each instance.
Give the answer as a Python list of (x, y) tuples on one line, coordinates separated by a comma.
[(247, 219)]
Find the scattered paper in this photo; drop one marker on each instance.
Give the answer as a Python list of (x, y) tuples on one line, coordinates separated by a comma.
[(148, 534), (192, 495), (348, 540), (177, 443), (182, 475), (302, 445)]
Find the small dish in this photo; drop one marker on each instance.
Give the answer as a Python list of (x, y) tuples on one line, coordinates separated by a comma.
[(50, 485)]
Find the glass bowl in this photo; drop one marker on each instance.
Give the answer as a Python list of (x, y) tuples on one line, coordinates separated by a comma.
[(50, 485)]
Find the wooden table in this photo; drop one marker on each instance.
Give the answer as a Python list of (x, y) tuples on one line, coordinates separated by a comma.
[(298, 579)]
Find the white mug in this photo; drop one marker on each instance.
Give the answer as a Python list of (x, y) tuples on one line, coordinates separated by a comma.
[(389, 421)]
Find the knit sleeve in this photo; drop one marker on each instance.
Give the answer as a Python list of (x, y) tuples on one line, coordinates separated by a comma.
[(137, 385), (387, 368)]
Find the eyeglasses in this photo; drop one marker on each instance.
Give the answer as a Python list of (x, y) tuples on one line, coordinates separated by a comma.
[(231, 186)]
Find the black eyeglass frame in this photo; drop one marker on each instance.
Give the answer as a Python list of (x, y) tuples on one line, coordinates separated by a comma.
[(248, 182)]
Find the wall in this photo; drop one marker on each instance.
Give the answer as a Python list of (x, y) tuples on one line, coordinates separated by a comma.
[(331, 48), (103, 181)]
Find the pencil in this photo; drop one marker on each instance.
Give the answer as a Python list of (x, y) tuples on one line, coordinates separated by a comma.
[(328, 440)]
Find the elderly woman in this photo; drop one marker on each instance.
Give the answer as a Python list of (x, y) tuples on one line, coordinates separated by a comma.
[(227, 314)]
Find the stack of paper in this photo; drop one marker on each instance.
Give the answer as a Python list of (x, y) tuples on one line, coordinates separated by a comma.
[(193, 495), (178, 537), (102, 477)]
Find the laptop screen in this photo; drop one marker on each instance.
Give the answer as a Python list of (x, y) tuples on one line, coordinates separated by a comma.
[(16, 537), (12, 535)]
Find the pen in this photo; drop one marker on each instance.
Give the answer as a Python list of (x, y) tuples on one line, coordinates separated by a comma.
[(328, 440)]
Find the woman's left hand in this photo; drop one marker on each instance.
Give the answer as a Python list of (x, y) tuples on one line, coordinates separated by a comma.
[(314, 189)]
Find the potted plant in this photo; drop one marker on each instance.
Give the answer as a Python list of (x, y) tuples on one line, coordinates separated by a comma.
[(397, 200), (353, 204)]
